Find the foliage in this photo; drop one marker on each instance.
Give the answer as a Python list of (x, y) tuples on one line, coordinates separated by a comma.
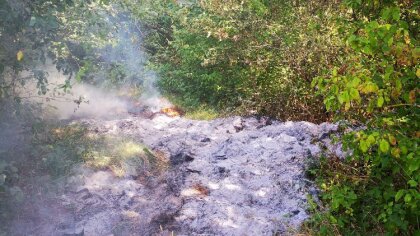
[(376, 188), (27, 30), (67, 33), (250, 56)]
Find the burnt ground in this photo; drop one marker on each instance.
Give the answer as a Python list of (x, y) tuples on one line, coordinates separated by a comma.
[(230, 176)]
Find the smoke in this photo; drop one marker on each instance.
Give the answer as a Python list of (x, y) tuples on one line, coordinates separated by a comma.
[(108, 93), (151, 96), (81, 100), (101, 96)]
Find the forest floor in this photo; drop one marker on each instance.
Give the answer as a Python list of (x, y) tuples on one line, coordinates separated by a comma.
[(228, 176)]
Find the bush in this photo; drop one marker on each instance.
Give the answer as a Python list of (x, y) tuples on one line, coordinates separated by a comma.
[(250, 57), (377, 188)]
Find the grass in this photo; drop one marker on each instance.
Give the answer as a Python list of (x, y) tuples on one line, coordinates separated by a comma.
[(60, 147), (202, 113), (123, 157), (198, 112)]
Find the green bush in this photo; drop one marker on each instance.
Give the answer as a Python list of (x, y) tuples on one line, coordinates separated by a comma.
[(248, 57), (377, 188)]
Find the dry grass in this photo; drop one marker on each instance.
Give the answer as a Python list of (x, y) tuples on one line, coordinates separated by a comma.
[(124, 157)]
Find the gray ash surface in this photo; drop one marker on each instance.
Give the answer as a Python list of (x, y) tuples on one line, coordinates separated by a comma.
[(231, 176)]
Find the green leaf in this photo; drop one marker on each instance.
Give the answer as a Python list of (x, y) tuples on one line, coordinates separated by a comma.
[(413, 165), (412, 183), (355, 82), (395, 13), (390, 41), (370, 88), (316, 81), (334, 72), (385, 13), (407, 198), (384, 145), (354, 94), (363, 145), (373, 25), (399, 194), (368, 50), (352, 40), (396, 152), (392, 13), (343, 97), (380, 102), (371, 139)]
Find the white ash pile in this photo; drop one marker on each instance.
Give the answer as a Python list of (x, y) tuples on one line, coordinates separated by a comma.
[(234, 176)]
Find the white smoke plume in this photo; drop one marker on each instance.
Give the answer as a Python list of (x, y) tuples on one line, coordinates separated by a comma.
[(87, 100)]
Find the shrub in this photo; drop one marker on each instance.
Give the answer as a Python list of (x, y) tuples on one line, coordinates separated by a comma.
[(248, 57), (377, 188)]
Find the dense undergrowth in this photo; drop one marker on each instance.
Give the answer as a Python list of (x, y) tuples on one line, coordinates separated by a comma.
[(376, 189), (293, 60), (241, 57)]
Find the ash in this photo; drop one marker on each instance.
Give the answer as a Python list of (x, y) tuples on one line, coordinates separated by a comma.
[(231, 176)]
